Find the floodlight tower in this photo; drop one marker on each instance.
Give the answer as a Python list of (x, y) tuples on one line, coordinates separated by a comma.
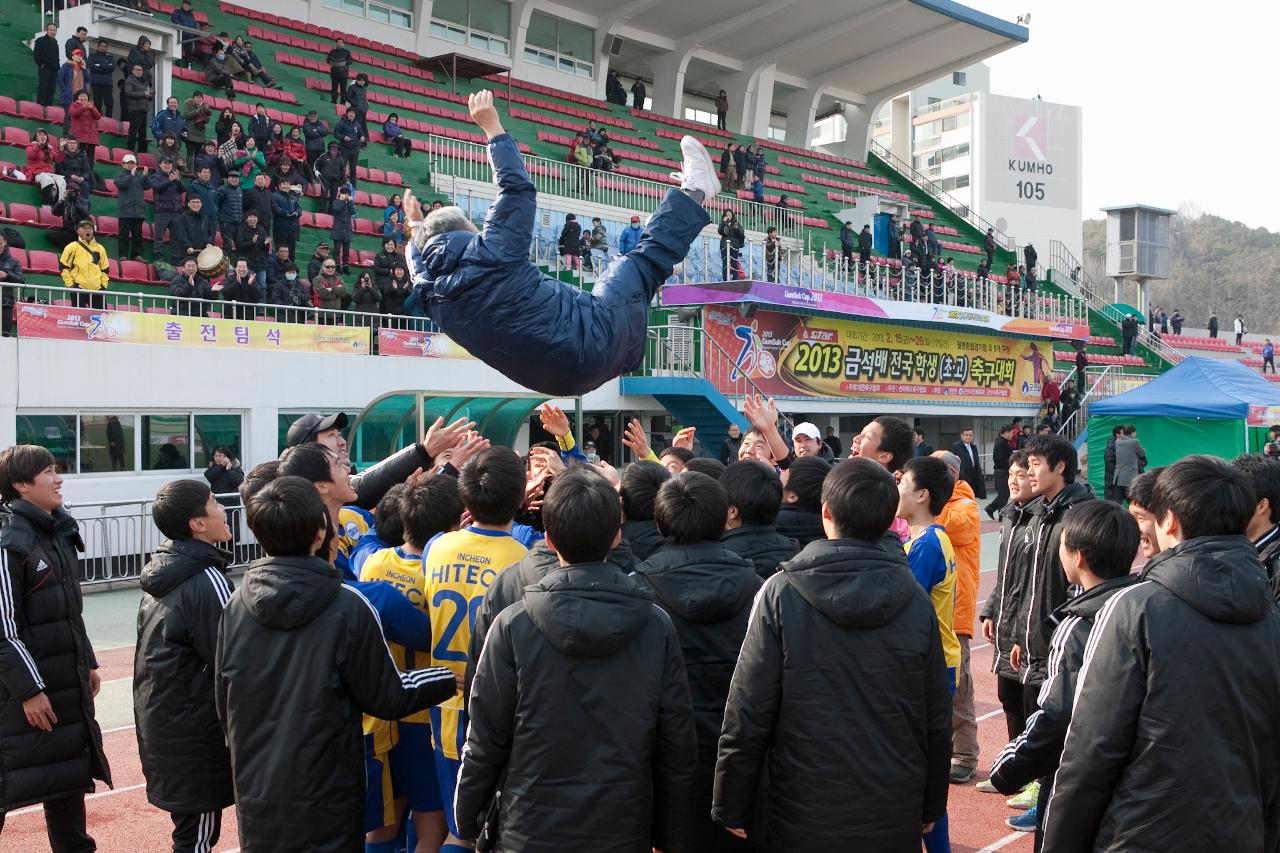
[(1137, 247)]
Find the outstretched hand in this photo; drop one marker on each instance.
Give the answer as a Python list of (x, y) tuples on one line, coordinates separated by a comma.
[(684, 438), (760, 411), (633, 437), (439, 437), (412, 207), (554, 420), (483, 113)]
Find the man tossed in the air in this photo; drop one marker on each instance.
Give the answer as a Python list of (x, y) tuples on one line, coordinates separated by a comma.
[(552, 337)]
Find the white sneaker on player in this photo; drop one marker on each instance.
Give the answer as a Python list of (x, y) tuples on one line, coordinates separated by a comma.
[(698, 172)]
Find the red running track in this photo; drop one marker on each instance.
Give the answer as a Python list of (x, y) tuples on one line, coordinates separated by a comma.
[(122, 821)]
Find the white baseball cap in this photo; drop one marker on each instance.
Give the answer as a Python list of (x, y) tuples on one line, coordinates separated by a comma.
[(807, 429)]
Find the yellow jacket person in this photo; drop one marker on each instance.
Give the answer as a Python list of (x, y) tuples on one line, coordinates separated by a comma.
[(84, 262)]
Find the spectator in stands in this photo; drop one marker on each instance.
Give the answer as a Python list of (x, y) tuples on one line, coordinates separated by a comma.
[(167, 191), (131, 207), (274, 149), (192, 231), (581, 152), (188, 283), (73, 207), (84, 266), (1164, 322), (102, 70), (931, 245), (286, 214), (241, 289), (229, 200), (183, 17), (252, 242), (1082, 367), (287, 170), (276, 263), (732, 239), (223, 127), (400, 146), (358, 100), (138, 96), (728, 171), (630, 236), (740, 165), (393, 229), (383, 262), (1213, 325), (78, 41), (1069, 403), (73, 77), (1239, 328), (205, 45), (328, 290), (613, 91), (1268, 356), (169, 147), (48, 62), (757, 190), (142, 54), (196, 114), (1030, 257), (1153, 318), (169, 122), (339, 59), (1175, 320), (314, 132), (598, 245), (989, 246), (202, 187), (350, 138), (722, 109), (864, 248), (848, 238), (218, 73), (318, 259), (251, 64), (365, 296), (42, 161), (394, 205), (289, 290), (570, 243), (772, 251), (251, 161), (75, 166), (983, 273), (638, 94), (10, 273), (1129, 333), (344, 212), (895, 237), (398, 289), (260, 126), (603, 159)]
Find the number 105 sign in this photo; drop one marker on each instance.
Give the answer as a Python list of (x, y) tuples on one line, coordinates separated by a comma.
[(1032, 152)]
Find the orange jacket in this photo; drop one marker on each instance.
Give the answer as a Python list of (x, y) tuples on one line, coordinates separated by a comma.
[(962, 521)]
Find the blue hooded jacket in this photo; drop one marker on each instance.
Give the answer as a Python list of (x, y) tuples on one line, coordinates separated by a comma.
[(546, 335)]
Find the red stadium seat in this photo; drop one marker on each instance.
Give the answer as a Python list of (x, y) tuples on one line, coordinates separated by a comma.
[(49, 219), (30, 109), (364, 226), (45, 262), (23, 213), (135, 271), (8, 106), (16, 136)]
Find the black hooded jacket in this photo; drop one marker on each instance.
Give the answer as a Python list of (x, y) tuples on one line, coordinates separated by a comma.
[(1008, 597), (510, 586), (765, 547), (183, 749), (802, 525), (841, 694), (44, 648), (642, 537), (707, 591), (580, 700), (1268, 547), (297, 645), (1045, 583), (1174, 738)]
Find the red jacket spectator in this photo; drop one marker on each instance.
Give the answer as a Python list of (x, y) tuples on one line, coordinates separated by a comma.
[(1051, 393), (42, 158), (295, 149), (84, 123)]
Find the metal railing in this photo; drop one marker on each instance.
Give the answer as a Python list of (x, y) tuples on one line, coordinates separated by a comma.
[(1070, 275), (677, 349), (1100, 383), (942, 196), (120, 537), (470, 161), (177, 306)]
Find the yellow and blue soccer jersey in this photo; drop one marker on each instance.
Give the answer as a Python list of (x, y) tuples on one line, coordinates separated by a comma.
[(404, 572), (933, 562), (353, 522), (460, 567)]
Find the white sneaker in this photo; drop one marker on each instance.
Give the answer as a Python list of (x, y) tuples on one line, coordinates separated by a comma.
[(698, 172)]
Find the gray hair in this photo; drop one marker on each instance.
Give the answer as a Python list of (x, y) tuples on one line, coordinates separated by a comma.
[(950, 460), (442, 221)]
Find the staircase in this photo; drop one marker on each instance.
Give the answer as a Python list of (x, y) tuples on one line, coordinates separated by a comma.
[(1100, 383), (684, 370)]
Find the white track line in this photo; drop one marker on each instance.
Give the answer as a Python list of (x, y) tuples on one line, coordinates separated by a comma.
[(112, 793), (979, 648), (997, 712), (1003, 842), (117, 729)]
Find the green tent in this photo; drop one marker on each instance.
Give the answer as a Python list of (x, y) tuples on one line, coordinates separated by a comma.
[(1200, 406)]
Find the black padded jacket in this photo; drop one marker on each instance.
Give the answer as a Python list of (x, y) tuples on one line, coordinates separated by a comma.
[(44, 648), (183, 749), (841, 694), (580, 716), (765, 547)]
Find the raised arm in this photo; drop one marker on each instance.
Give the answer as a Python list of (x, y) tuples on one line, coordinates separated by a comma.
[(508, 228)]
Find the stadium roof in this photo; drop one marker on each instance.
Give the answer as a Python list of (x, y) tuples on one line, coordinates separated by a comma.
[(854, 50)]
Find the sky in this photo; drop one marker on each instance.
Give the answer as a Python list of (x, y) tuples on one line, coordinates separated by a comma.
[(1178, 99)]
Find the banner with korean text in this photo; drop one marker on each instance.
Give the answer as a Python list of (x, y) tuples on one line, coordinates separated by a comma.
[(419, 344), (788, 355), (128, 327)]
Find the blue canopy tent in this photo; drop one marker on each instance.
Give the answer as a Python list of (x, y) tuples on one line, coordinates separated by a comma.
[(1199, 406)]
